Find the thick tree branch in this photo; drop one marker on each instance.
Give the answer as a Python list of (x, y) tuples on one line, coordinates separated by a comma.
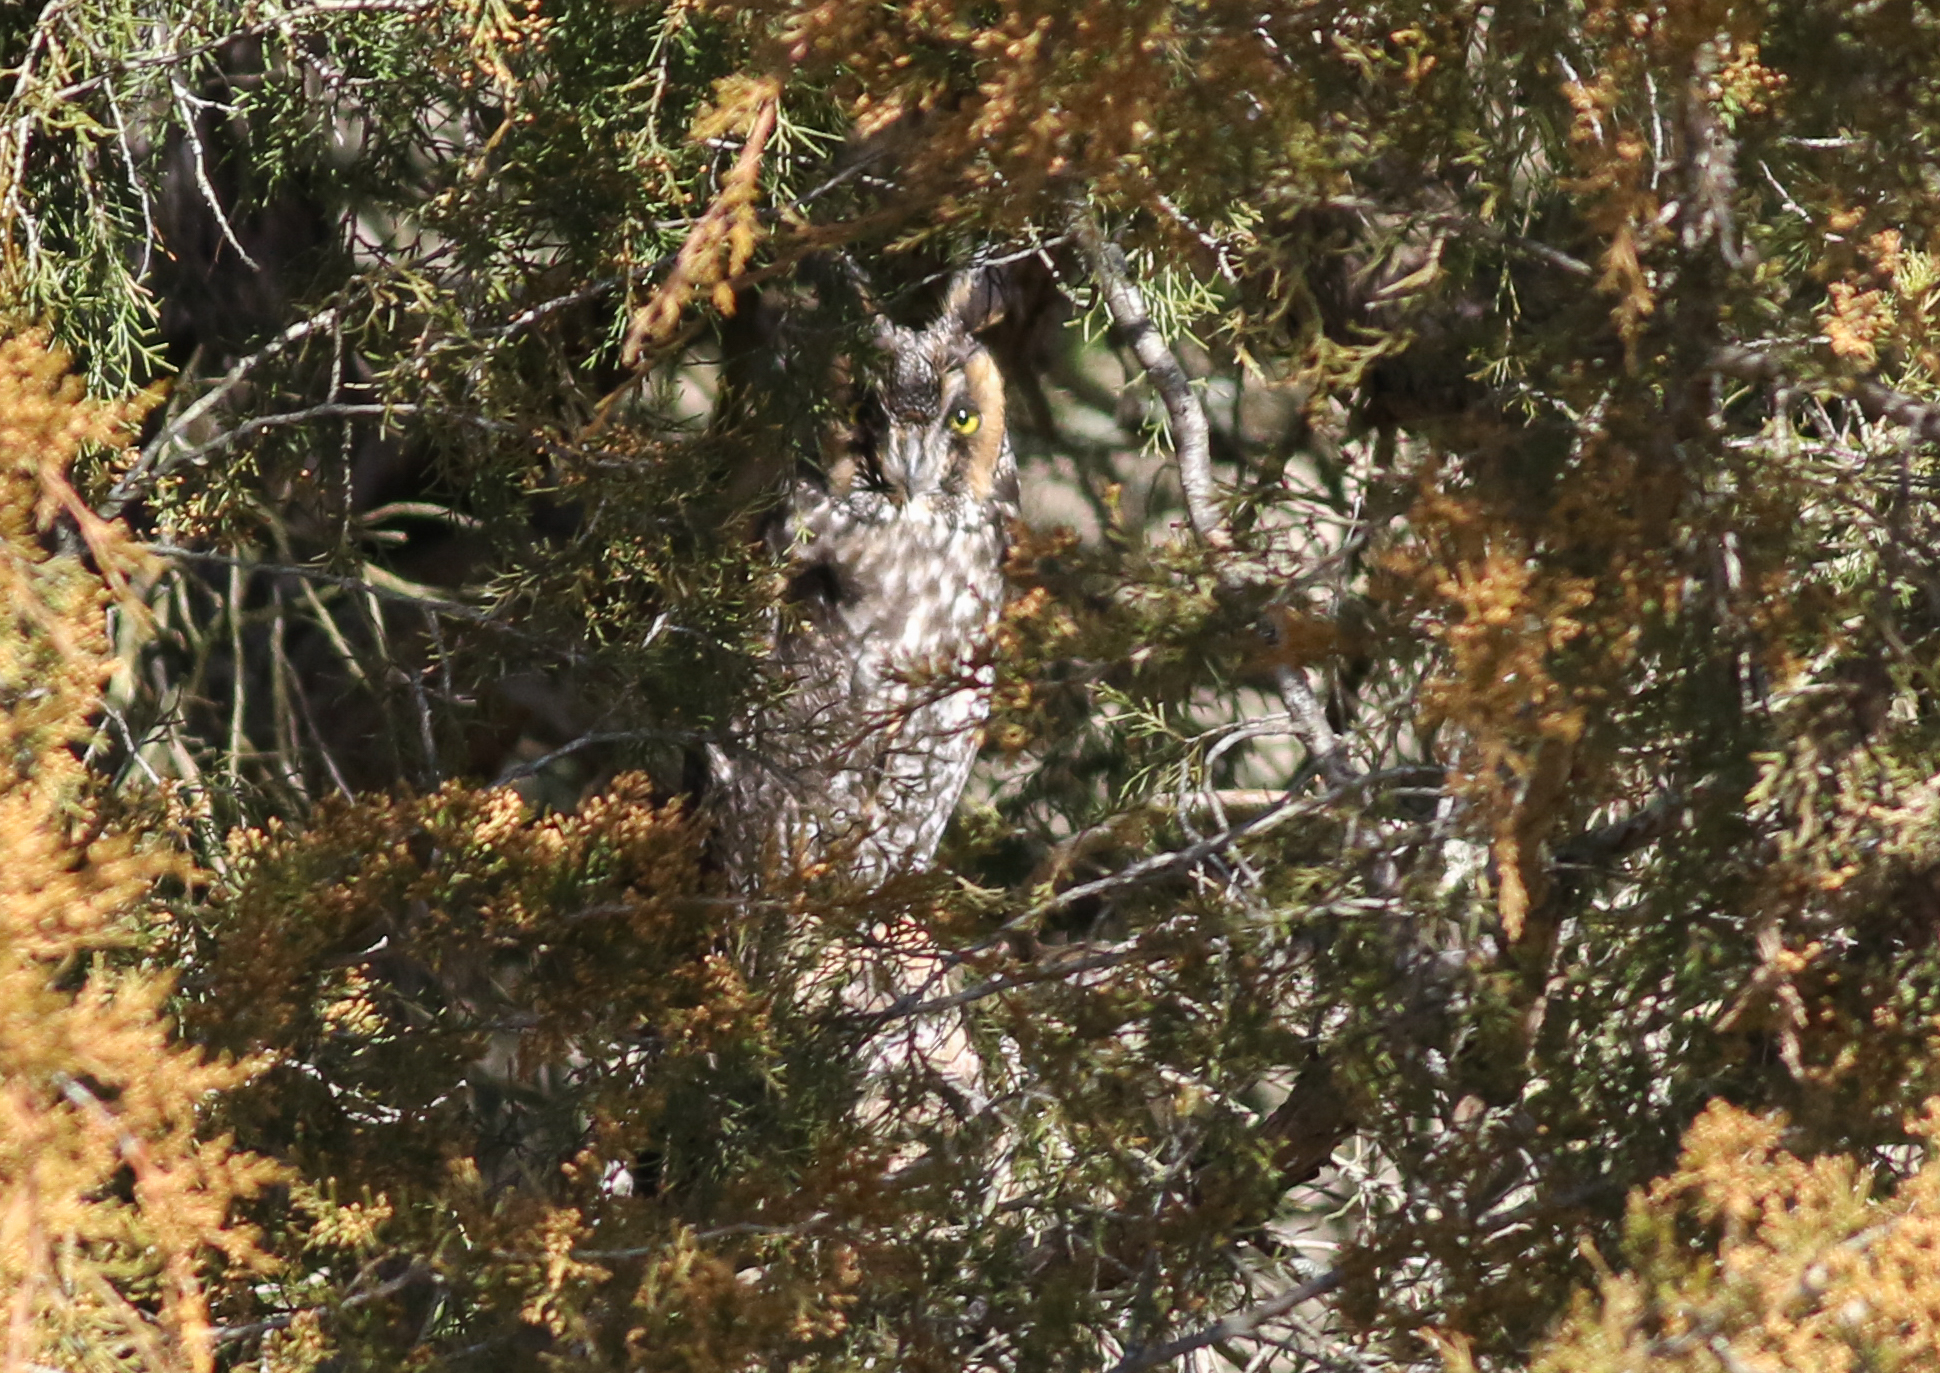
[(1192, 446), (1191, 435), (1311, 724), (1620, 837)]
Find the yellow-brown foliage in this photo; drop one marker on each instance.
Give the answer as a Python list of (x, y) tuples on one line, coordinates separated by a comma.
[(468, 880), (108, 1200), (1806, 1264), (725, 237), (1713, 45), (399, 944), (1538, 618), (1032, 121)]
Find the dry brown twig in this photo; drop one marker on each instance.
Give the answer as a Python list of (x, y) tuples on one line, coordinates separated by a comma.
[(722, 240)]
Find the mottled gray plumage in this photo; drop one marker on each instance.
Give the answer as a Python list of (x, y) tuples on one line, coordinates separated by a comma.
[(895, 581)]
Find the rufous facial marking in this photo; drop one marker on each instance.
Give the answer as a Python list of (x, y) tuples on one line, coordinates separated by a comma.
[(985, 388)]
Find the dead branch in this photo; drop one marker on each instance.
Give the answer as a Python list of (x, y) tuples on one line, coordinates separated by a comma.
[(146, 468), (317, 574), (1289, 807)]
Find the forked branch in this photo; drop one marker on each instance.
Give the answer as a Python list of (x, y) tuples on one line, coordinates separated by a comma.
[(1876, 401)]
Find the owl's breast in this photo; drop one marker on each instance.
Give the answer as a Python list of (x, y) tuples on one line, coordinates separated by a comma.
[(907, 584), (884, 652)]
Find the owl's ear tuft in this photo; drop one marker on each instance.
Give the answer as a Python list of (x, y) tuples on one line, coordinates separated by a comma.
[(975, 299)]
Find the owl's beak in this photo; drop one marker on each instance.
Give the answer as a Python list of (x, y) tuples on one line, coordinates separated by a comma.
[(907, 463)]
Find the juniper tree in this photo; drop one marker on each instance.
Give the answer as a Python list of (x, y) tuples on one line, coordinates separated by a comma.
[(1465, 716)]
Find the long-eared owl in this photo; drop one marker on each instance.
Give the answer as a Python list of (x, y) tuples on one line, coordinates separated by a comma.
[(894, 564)]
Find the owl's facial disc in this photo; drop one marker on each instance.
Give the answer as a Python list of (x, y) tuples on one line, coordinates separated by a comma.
[(942, 416)]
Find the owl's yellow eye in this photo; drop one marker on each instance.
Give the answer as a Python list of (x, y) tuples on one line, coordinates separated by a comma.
[(964, 420)]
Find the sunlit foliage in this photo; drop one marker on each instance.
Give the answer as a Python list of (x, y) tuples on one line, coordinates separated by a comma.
[(1805, 1263), (116, 1210)]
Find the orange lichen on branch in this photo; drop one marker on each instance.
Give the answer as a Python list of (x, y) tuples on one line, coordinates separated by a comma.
[(92, 1086)]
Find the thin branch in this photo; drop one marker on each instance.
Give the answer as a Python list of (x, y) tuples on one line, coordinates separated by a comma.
[(288, 748), (427, 731), (291, 418), (410, 1277), (1535, 248), (149, 238), (1239, 1324), (911, 1006), (329, 410), (317, 574), (1192, 445), (1824, 143), (316, 733), (170, 433), (320, 9), (590, 740), (1182, 860), (199, 159), (524, 320), (800, 1227), (1243, 1323), (1290, 807), (239, 573), (13, 206), (1875, 401)]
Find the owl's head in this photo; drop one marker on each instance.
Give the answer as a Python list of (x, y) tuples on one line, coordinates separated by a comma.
[(933, 423)]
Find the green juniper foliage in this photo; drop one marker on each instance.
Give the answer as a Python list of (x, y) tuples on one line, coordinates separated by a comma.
[(1465, 712)]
